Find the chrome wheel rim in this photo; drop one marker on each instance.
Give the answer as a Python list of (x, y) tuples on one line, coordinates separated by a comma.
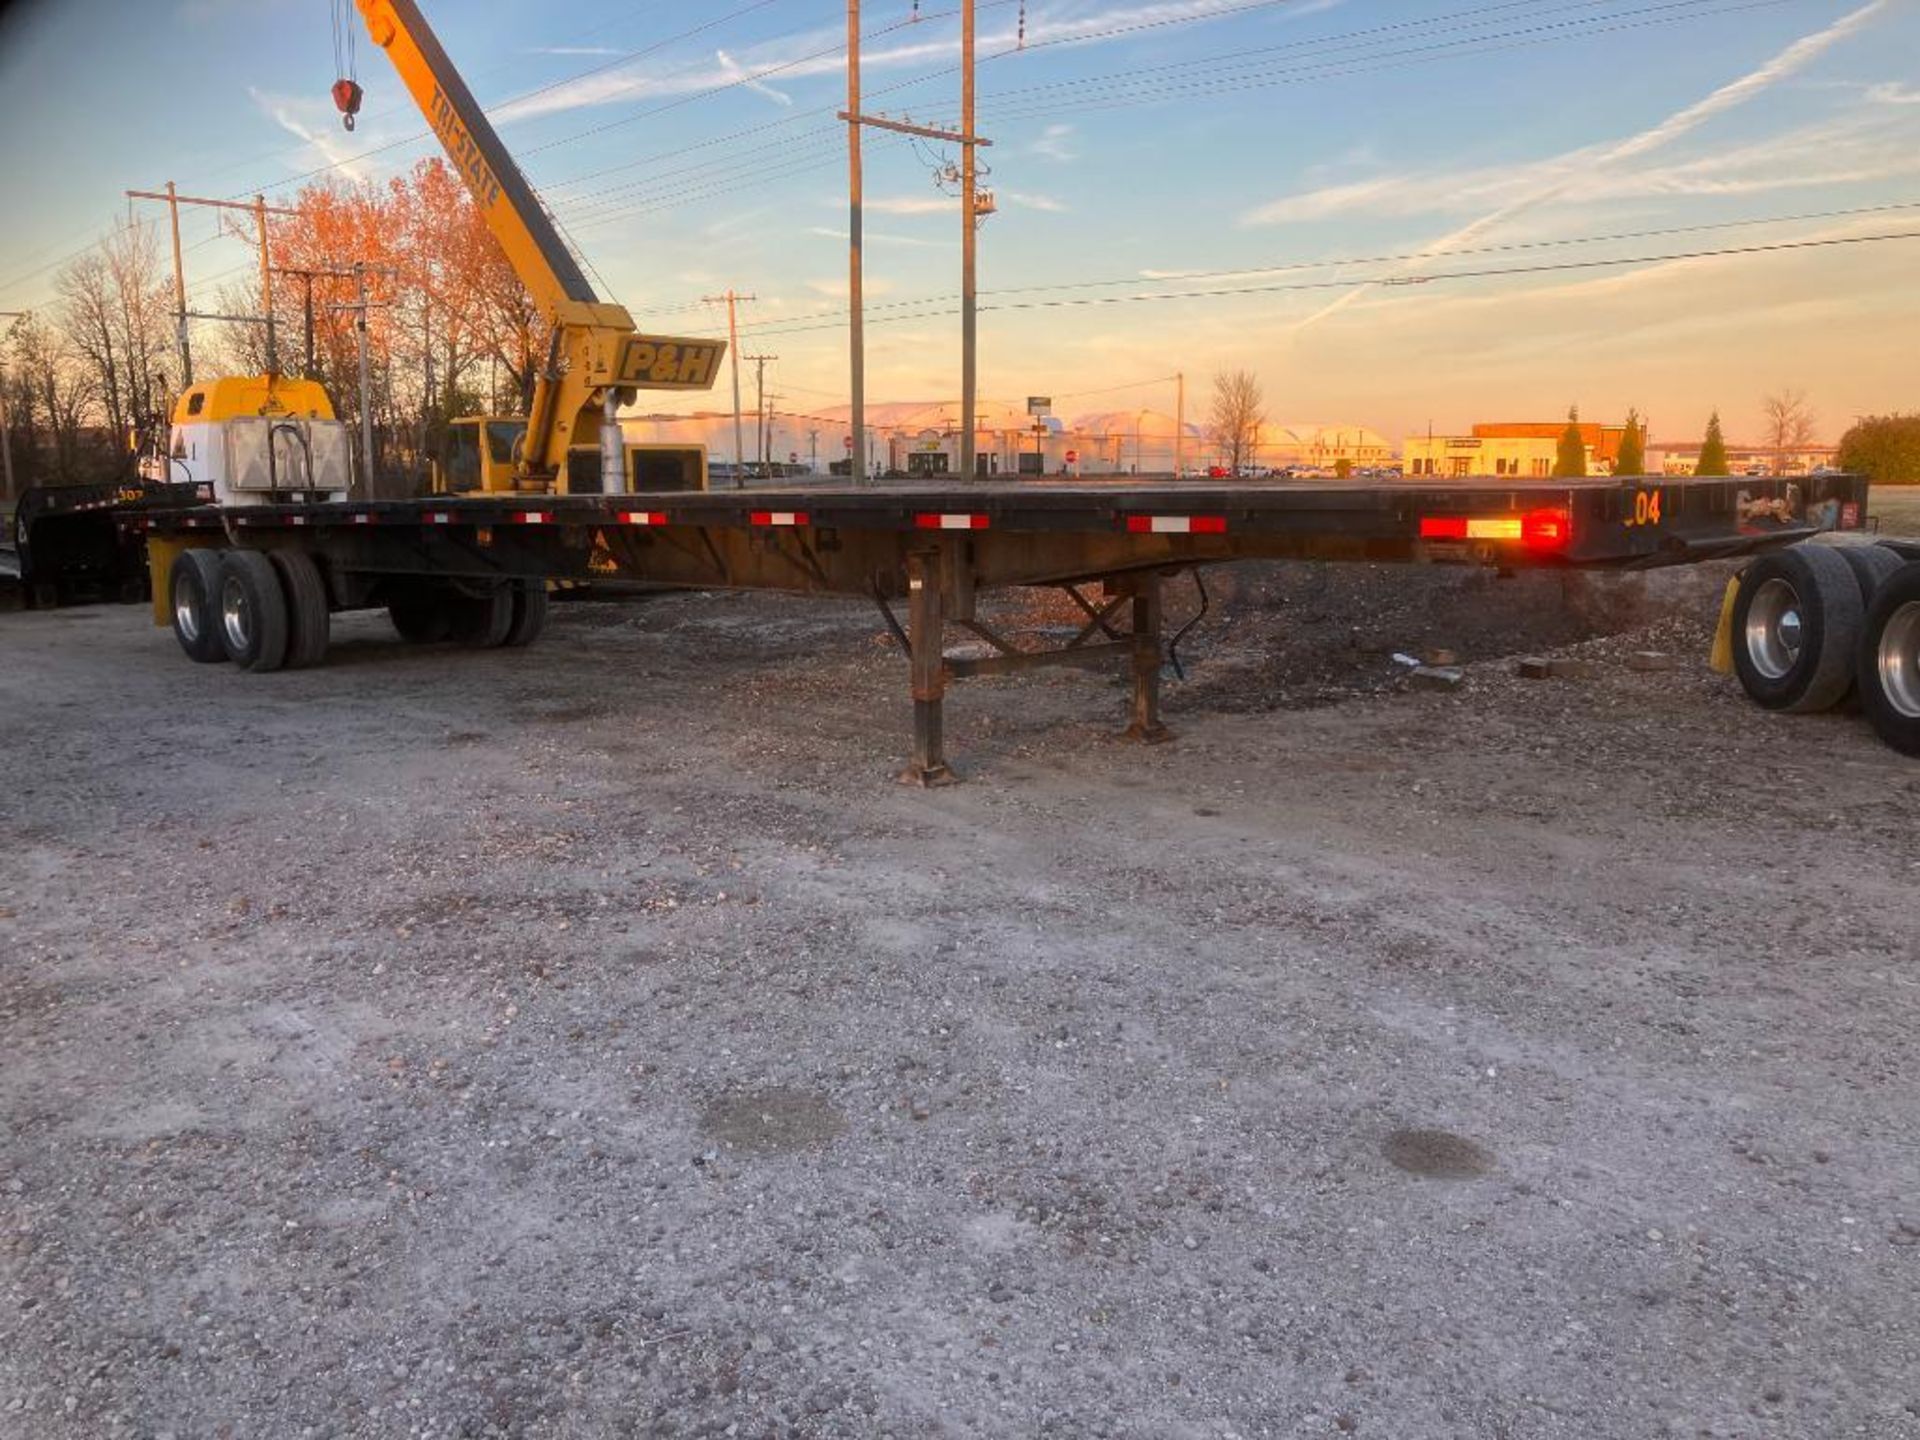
[(186, 615), (235, 615), (1899, 660), (1775, 632)]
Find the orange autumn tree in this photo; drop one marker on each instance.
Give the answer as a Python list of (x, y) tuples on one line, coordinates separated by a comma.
[(450, 329)]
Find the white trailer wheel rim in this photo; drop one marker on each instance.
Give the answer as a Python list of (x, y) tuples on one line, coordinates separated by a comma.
[(185, 614), (1899, 660), (236, 615), (1775, 632)]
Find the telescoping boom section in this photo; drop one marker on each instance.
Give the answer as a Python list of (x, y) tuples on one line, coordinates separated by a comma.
[(596, 360), (479, 568)]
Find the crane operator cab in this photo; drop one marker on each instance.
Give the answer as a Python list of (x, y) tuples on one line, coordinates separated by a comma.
[(482, 451), (260, 440)]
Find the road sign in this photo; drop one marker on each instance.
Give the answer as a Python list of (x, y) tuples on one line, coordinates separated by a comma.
[(1073, 457), (793, 457), (849, 442), (1039, 404)]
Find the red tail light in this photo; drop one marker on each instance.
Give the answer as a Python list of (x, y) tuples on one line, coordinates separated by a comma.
[(1546, 529)]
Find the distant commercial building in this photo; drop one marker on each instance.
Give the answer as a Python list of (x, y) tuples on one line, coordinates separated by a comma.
[(923, 439), (1682, 457), (1524, 449)]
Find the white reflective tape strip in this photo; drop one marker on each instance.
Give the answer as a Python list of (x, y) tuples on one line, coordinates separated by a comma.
[(642, 517), (439, 517), (363, 519), (534, 517), (1172, 524)]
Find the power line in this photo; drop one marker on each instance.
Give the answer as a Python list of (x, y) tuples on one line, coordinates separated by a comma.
[(1776, 247), (1333, 262)]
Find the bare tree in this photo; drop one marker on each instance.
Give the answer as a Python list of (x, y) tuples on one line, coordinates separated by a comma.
[(1234, 422), (114, 311), (1790, 424), (52, 391)]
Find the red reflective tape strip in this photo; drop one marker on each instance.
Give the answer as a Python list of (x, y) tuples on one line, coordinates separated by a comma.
[(938, 520), (643, 517), (778, 517), (1177, 524), (1443, 527)]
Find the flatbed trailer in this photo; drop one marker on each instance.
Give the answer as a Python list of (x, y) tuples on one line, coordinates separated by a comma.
[(487, 560)]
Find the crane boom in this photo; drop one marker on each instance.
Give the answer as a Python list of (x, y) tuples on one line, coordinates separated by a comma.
[(595, 358)]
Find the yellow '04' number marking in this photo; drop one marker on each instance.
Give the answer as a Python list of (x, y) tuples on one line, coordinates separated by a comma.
[(1646, 508)]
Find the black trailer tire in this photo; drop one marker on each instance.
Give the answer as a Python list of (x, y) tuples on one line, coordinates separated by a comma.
[(1872, 565), (193, 594), (1888, 666), (1796, 627), (530, 609), (253, 611), (419, 613), (308, 621), (482, 621)]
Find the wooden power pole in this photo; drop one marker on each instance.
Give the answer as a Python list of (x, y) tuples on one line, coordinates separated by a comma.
[(259, 209), (733, 357), (969, 216)]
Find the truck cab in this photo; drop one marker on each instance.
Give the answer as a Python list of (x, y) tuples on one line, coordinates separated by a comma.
[(260, 440)]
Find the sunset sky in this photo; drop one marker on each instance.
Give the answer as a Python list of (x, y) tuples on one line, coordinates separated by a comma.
[(1139, 149)]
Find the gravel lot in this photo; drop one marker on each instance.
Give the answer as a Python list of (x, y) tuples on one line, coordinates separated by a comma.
[(596, 1042)]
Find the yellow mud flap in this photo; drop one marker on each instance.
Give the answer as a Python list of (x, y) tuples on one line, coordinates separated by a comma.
[(1722, 657)]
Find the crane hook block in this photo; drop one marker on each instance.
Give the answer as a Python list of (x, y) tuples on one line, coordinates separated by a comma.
[(347, 95)]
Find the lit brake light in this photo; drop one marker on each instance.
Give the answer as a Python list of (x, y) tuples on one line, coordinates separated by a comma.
[(1547, 529), (1541, 529)]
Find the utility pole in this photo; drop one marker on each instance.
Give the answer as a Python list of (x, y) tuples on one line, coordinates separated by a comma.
[(6, 420), (969, 213), (362, 307), (760, 420), (1179, 424), (733, 358), (969, 245), (306, 279), (259, 209), (856, 302)]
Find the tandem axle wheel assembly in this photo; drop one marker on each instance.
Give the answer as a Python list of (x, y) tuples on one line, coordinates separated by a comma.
[(1814, 625)]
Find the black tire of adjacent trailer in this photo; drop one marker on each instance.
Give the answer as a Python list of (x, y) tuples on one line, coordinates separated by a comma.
[(1888, 663), (193, 594), (1796, 625), (1871, 565), (529, 613), (482, 621), (307, 618), (253, 611), (419, 612)]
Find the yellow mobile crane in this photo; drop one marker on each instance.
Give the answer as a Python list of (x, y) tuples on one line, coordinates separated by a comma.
[(596, 361)]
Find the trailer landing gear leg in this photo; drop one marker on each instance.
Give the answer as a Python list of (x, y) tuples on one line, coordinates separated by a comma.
[(927, 627), (1147, 658)]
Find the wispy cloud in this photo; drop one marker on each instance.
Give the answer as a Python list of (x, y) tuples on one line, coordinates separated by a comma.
[(816, 53), (1554, 178), (1056, 143), (736, 75), (1027, 200), (603, 50), (283, 113), (911, 204), (879, 237)]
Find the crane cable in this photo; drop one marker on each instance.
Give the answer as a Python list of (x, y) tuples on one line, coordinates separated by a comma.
[(347, 93)]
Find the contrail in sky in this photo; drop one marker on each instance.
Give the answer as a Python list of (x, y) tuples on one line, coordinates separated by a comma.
[(1736, 93)]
